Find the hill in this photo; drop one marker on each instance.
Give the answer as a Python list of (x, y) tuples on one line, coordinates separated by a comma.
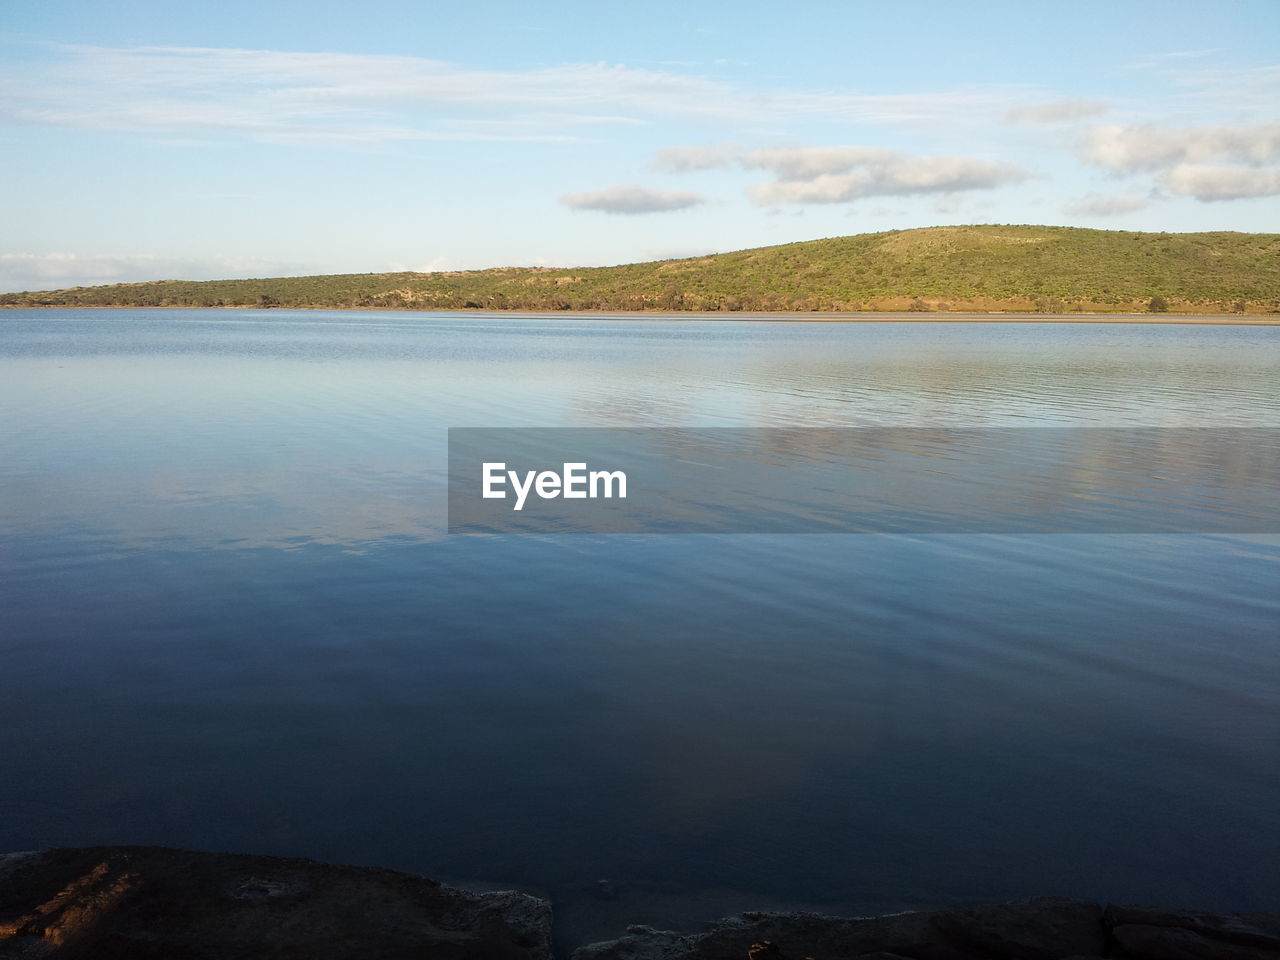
[(973, 268)]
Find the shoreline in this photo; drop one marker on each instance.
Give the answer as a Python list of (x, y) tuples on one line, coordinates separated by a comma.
[(1201, 319)]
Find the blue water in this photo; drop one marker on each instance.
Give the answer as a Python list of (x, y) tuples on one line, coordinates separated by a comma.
[(231, 618)]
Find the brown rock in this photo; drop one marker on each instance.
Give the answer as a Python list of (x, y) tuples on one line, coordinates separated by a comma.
[(153, 903)]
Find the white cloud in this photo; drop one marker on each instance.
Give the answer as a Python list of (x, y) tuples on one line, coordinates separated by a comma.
[(1184, 158), (808, 163), (841, 174), (1221, 183), (1107, 205), (34, 271), (1132, 149), (630, 198), (357, 98), (1060, 111), (685, 159)]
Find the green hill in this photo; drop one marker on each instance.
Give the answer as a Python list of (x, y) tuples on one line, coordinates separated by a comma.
[(1016, 268)]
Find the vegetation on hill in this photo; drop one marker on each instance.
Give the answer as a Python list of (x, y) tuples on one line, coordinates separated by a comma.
[(1031, 268)]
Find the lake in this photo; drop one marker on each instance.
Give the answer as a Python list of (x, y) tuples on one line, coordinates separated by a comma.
[(231, 618)]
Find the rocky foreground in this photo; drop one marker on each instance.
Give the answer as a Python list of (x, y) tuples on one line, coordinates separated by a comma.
[(148, 903)]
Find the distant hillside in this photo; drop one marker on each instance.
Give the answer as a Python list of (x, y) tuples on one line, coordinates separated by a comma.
[(1017, 268)]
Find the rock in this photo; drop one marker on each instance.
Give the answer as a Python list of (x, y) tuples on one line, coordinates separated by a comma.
[(1178, 943), (792, 935), (1215, 926), (815, 935), (153, 903), (640, 943), (1046, 928)]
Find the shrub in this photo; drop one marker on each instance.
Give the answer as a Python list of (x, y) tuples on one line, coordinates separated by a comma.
[(1158, 305)]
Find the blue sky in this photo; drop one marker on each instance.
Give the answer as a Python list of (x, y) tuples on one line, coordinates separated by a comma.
[(145, 140)]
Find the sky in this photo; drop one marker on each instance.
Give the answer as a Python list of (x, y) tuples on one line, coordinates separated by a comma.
[(145, 140)]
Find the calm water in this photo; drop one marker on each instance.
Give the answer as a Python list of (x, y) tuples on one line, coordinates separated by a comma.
[(231, 619)]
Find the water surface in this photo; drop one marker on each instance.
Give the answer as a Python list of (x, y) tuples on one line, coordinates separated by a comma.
[(231, 618)]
